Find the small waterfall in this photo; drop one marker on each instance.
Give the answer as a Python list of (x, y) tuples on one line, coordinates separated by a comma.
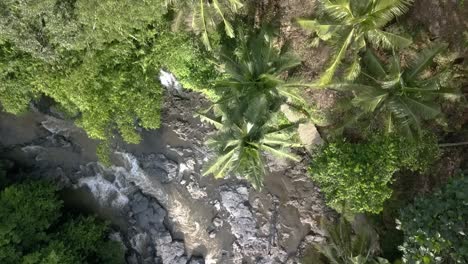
[(105, 192)]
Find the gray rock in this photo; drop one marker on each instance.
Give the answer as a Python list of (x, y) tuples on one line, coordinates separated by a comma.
[(172, 253), (132, 259), (139, 206), (196, 260), (58, 126), (160, 166), (139, 243)]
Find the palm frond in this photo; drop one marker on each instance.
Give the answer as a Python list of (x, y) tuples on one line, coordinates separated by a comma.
[(370, 98), (337, 9), (222, 164), (347, 86), (205, 37), (330, 71), (407, 118), (354, 70), (360, 7), (285, 62), (394, 66), (250, 96), (348, 244), (424, 59), (323, 31), (350, 25), (426, 109), (282, 140), (204, 118), (205, 15), (227, 26), (385, 10), (280, 153), (387, 40), (373, 65)]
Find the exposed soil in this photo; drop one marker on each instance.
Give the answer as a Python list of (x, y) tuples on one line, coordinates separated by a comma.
[(444, 19)]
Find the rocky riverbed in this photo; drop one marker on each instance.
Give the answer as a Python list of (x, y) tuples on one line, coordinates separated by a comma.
[(154, 194)]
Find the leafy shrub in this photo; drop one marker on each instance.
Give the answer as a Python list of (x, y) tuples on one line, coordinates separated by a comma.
[(33, 230), (435, 226), (417, 155), (356, 174)]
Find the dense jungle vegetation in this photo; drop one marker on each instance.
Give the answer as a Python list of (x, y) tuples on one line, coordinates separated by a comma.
[(401, 109)]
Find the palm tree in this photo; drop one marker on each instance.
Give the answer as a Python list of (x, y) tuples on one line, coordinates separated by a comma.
[(400, 96), (347, 244), (205, 15), (350, 25), (240, 147), (250, 98)]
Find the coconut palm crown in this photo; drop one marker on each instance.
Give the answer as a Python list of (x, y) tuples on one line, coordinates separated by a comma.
[(349, 26), (402, 97), (250, 98)]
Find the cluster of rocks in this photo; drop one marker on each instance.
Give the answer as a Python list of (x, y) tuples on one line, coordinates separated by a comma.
[(170, 213)]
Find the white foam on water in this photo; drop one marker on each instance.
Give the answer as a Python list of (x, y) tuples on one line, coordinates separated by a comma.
[(169, 81), (105, 192)]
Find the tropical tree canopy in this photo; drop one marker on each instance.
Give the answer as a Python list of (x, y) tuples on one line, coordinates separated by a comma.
[(204, 15), (98, 60), (250, 97), (402, 97), (349, 26), (34, 230)]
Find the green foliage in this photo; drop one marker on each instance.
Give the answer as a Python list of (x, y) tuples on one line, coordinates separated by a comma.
[(350, 25), (250, 97), (99, 60), (435, 226), (5, 165), (44, 28), (187, 61), (102, 88), (204, 16), (356, 174), (33, 231), (16, 79), (419, 155), (26, 212), (399, 98), (346, 244)]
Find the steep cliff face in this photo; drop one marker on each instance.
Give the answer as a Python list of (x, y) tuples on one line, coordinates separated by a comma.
[(155, 195)]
